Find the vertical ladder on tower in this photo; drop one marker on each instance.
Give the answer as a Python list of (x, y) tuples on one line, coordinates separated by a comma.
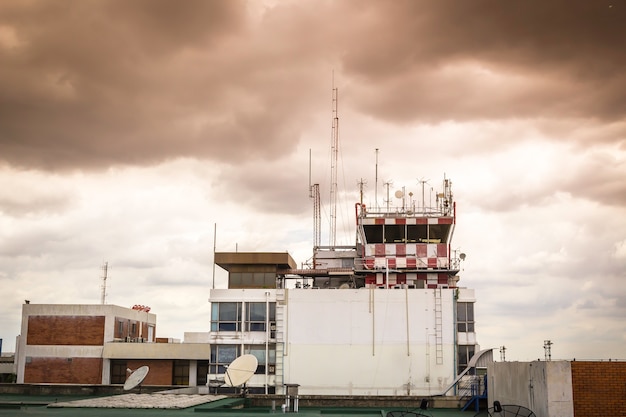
[(280, 339), (438, 327)]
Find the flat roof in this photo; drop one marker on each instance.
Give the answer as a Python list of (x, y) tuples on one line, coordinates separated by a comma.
[(282, 260)]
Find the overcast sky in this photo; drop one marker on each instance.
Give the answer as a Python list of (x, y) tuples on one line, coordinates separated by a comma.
[(129, 129)]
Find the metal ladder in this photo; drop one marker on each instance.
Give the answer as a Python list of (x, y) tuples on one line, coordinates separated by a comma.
[(438, 327), (280, 339)]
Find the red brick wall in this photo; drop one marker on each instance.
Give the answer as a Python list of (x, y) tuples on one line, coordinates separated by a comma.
[(160, 371), (63, 371), (599, 388), (65, 330)]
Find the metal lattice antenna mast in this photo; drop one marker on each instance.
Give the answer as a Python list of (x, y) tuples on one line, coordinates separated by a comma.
[(103, 294), (314, 193), (547, 347), (333, 169)]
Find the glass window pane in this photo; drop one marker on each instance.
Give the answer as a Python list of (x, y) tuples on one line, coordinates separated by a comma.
[(257, 327), (461, 314), (227, 327), (272, 311), (256, 311), (228, 311), (470, 311), (226, 354), (258, 353)]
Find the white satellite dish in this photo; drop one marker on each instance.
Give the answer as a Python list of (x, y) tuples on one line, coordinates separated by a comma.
[(399, 194), (240, 370), (136, 378)]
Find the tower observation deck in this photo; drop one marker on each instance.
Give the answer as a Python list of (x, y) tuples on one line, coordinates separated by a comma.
[(396, 246)]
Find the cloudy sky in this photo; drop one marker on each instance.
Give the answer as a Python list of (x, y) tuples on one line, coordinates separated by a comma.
[(128, 130)]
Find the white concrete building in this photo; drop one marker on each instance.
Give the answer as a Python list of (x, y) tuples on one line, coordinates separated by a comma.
[(383, 317)]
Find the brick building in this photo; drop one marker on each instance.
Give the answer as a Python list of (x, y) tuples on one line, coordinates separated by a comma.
[(561, 388)]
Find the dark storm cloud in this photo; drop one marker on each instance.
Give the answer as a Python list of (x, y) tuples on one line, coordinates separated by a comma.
[(92, 84), (520, 59), (89, 84)]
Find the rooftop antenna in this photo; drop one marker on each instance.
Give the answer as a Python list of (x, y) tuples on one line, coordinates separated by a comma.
[(314, 193), (423, 181), (333, 166), (388, 200), (376, 191), (103, 287), (361, 184), (214, 249), (547, 344), (503, 353)]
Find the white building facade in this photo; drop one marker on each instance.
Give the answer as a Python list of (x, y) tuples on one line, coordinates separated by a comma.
[(365, 341)]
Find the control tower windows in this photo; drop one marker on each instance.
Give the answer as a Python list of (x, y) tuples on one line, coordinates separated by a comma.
[(394, 233), (416, 232), (438, 233), (374, 233), (407, 233)]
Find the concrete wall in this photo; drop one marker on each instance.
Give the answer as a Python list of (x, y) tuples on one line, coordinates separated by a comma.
[(368, 341), (200, 351), (543, 387)]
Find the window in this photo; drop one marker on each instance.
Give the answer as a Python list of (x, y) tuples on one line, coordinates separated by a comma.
[(120, 329), (225, 317), (259, 352), (394, 233), (465, 317), (373, 233), (180, 373), (252, 280), (133, 329), (465, 353), (201, 373), (255, 316), (221, 357), (118, 372)]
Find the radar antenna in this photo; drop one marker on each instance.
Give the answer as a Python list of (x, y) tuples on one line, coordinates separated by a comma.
[(333, 167)]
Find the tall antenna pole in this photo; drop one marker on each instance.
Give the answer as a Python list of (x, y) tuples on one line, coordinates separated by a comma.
[(214, 248), (314, 193), (333, 168), (376, 190), (103, 295)]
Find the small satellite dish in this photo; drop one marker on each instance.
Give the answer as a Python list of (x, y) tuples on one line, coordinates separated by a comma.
[(240, 370), (344, 286), (399, 194), (136, 378), (462, 256)]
